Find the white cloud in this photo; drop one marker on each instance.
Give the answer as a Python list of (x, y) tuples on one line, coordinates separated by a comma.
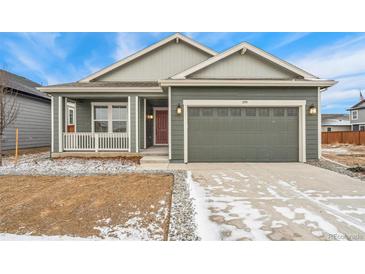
[(343, 61), (127, 44), (290, 38)]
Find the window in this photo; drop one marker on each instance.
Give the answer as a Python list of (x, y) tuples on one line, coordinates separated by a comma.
[(207, 111), (250, 112), (119, 119), (329, 129), (71, 116), (355, 128), (194, 112), (235, 111), (279, 112), (101, 118), (354, 114), (292, 111), (109, 117), (264, 112), (222, 112), (362, 127)]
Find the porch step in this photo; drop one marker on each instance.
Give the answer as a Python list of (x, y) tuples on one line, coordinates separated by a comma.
[(155, 159), (154, 153)]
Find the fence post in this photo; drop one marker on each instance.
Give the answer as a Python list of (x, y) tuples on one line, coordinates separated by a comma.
[(96, 142)]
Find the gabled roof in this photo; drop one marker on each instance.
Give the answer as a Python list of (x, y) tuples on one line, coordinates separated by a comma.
[(357, 105), (243, 47), (22, 84), (147, 50)]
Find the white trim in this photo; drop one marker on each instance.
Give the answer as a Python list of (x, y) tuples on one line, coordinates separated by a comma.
[(359, 123), (101, 89), (319, 125), (60, 145), (249, 83), (137, 124), (352, 114), (110, 116), (154, 124), (241, 46), (144, 124), (129, 124), (65, 122), (70, 105), (52, 124), (147, 50), (251, 103), (169, 120)]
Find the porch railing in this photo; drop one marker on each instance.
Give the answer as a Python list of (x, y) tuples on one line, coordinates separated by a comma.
[(88, 141)]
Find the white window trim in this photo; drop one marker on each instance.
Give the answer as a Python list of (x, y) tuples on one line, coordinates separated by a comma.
[(110, 119), (70, 105), (250, 103), (352, 114), (154, 125)]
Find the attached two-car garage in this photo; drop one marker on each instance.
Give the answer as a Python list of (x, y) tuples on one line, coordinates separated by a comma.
[(243, 134)]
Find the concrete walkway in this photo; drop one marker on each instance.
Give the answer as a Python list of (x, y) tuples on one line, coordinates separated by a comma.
[(276, 201)]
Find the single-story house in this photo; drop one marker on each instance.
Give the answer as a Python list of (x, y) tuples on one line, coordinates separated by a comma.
[(242, 104), (33, 118), (335, 122)]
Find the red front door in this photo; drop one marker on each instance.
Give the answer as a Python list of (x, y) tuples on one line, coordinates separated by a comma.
[(161, 127)]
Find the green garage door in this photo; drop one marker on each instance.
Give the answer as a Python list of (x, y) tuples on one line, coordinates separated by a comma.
[(237, 134)]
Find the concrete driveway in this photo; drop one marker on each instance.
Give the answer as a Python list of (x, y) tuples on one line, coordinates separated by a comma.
[(276, 201)]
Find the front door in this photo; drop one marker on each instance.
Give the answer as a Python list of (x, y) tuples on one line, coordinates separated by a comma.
[(161, 127)]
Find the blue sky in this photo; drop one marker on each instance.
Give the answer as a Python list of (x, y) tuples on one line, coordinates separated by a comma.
[(51, 58)]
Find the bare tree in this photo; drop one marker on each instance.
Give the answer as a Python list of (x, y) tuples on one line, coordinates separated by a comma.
[(8, 107)]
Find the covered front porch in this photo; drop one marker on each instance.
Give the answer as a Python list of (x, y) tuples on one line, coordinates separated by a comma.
[(108, 125)]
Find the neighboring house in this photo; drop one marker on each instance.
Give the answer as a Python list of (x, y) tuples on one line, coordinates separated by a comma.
[(357, 115), (34, 114), (243, 104), (335, 122)]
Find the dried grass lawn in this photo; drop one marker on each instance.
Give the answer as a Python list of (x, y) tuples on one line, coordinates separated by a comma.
[(346, 154), (129, 206)]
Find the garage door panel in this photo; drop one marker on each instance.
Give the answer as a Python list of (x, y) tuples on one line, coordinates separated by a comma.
[(242, 134)]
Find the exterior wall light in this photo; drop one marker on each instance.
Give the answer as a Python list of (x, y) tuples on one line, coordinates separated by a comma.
[(149, 116), (312, 110), (178, 109)]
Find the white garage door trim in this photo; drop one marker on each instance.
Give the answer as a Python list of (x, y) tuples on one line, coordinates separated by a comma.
[(249, 103)]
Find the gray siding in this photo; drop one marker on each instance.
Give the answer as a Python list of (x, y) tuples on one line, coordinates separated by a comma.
[(34, 124), (361, 116), (238, 66), (161, 63), (178, 94)]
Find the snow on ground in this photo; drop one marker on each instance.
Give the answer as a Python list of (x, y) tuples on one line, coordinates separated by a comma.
[(240, 205), (205, 204), (28, 237), (42, 164)]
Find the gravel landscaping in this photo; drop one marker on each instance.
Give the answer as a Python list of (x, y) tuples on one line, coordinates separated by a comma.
[(333, 166), (181, 226)]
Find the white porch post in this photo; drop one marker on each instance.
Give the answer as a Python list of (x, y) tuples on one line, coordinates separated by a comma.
[(169, 121), (144, 124), (60, 129), (137, 124), (129, 124), (52, 124)]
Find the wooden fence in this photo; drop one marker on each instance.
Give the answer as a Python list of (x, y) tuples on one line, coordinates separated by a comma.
[(344, 137)]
